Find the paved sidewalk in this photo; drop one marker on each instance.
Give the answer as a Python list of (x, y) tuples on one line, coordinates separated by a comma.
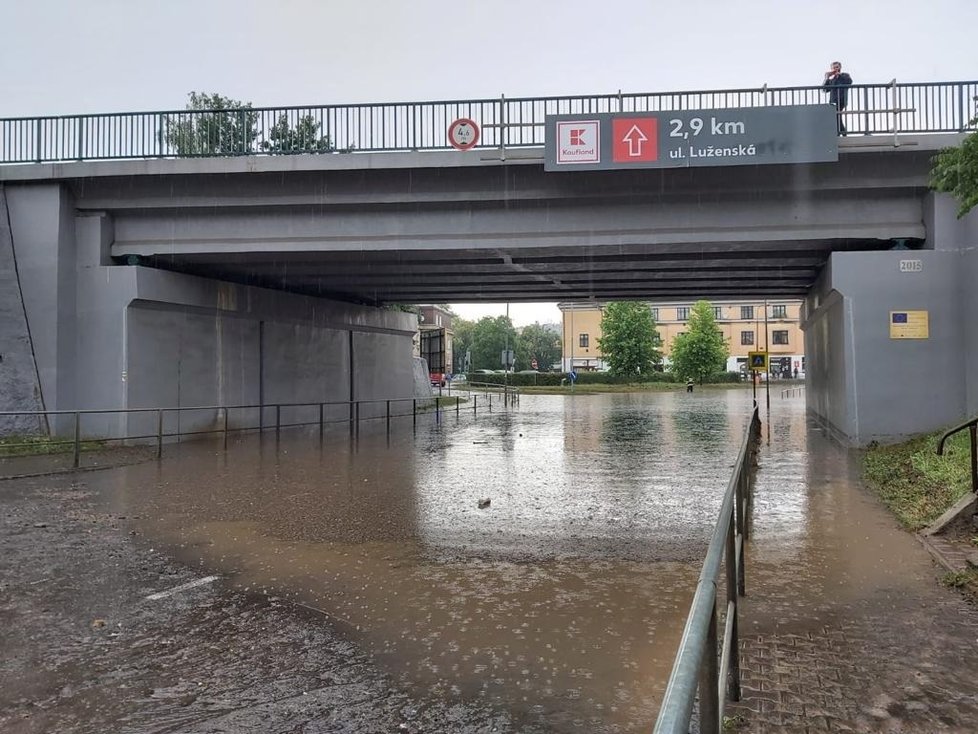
[(846, 626)]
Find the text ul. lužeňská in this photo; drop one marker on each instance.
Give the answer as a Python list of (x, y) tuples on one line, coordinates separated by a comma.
[(709, 151)]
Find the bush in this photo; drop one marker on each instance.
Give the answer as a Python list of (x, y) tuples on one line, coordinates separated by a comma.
[(723, 377), (553, 379)]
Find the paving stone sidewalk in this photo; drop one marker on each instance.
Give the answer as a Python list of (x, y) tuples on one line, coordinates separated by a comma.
[(846, 627)]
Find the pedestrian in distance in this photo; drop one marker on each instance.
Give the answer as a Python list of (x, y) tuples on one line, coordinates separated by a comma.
[(689, 385), (837, 84)]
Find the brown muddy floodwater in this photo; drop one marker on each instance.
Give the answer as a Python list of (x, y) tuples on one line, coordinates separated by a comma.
[(562, 602)]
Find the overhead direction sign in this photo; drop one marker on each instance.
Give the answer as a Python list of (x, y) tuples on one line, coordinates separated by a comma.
[(690, 138)]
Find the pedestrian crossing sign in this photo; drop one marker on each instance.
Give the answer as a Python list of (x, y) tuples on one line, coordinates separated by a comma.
[(757, 361)]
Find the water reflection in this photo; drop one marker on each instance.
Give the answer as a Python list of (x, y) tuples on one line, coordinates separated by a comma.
[(562, 601)]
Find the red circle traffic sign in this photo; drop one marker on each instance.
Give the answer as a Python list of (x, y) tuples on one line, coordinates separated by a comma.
[(463, 133)]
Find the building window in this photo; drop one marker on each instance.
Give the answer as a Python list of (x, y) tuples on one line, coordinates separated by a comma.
[(747, 314), (655, 314), (583, 340), (779, 337), (779, 312), (747, 338), (682, 314), (718, 312)]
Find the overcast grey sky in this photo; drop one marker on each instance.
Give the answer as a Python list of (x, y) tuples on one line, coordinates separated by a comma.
[(63, 57)]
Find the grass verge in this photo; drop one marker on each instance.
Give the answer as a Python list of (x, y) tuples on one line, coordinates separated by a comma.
[(914, 482), (42, 445)]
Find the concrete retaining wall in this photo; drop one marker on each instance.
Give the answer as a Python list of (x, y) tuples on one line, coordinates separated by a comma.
[(114, 336)]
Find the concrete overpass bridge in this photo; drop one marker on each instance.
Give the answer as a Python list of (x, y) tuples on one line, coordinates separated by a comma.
[(233, 275)]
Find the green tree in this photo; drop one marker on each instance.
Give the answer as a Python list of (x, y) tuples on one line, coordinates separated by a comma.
[(539, 343), (955, 172), (216, 125), (303, 138), (461, 343), (701, 351), (630, 343), (489, 337)]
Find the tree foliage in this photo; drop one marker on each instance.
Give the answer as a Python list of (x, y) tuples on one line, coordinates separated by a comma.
[(218, 126), (539, 343), (462, 330), (630, 342), (304, 137), (955, 172), (701, 350), (489, 338)]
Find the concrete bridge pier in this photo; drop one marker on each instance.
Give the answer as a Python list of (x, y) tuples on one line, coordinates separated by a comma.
[(93, 334), (867, 381)]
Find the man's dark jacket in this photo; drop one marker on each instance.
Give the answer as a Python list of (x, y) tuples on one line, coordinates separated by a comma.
[(838, 90)]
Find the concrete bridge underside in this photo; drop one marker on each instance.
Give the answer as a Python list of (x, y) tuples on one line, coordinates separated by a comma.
[(301, 249)]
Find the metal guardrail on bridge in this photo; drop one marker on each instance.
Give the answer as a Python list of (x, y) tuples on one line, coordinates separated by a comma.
[(697, 666), (874, 109)]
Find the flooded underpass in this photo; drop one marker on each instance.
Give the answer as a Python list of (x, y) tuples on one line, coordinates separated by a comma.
[(562, 600), (366, 585)]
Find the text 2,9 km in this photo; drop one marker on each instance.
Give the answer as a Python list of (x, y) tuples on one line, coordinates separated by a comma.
[(697, 125)]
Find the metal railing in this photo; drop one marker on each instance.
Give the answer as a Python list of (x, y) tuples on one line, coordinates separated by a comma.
[(873, 109), (510, 393), (972, 427), (697, 666), (793, 392), (222, 424)]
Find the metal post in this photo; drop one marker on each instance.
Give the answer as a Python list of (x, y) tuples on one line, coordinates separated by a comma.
[(225, 429), (506, 355), (767, 377), (733, 587), (866, 106), (475, 404), (77, 439), (708, 683), (973, 429), (962, 116), (81, 139), (388, 417), (159, 433), (458, 406), (357, 421), (321, 422), (489, 395), (278, 419), (414, 410)]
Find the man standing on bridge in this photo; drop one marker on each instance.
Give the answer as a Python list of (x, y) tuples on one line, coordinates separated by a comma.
[(837, 85)]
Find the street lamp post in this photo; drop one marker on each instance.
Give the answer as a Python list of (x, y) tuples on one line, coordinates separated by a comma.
[(767, 379)]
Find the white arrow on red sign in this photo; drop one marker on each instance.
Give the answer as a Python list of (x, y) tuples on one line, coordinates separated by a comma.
[(635, 137)]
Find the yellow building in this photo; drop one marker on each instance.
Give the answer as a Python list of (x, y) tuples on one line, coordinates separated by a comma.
[(741, 322)]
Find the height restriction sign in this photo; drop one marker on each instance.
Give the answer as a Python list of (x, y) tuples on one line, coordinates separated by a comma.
[(463, 134)]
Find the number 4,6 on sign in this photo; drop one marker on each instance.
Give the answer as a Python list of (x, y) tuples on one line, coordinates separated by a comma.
[(463, 134)]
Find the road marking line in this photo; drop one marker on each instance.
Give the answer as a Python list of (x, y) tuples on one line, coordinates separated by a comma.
[(182, 587)]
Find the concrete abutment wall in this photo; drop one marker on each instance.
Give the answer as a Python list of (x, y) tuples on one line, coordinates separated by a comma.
[(110, 336), (866, 385)]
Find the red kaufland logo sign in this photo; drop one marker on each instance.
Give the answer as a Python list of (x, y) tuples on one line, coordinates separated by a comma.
[(579, 141)]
